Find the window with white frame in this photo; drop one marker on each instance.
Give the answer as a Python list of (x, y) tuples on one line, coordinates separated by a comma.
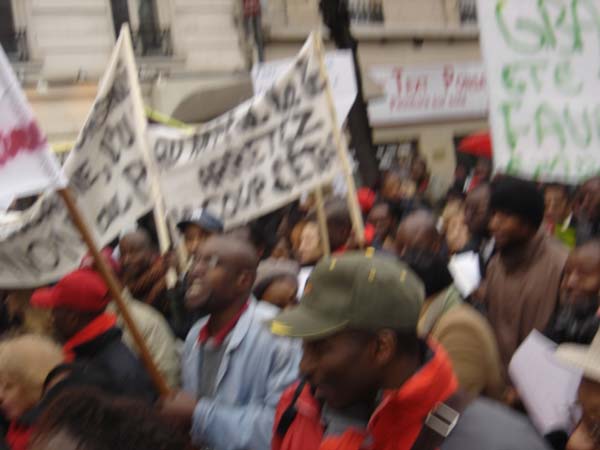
[(468, 11), (366, 11), (149, 38), (13, 40)]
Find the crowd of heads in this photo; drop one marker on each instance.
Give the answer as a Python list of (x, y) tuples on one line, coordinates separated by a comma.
[(365, 314)]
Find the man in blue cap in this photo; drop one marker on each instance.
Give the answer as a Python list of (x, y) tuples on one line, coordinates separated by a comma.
[(198, 228)]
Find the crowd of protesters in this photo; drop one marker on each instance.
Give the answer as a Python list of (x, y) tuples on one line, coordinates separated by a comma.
[(268, 339)]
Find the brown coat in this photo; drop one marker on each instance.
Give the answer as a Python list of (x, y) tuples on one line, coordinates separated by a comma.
[(522, 291)]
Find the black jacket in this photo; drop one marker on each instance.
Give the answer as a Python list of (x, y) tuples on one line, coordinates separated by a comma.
[(107, 354)]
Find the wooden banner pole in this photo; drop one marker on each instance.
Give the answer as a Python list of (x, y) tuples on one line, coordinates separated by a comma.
[(115, 291), (352, 198), (162, 229), (322, 220)]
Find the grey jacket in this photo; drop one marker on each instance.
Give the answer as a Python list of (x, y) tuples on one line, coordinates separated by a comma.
[(487, 425)]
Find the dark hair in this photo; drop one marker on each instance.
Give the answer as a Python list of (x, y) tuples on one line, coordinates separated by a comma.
[(97, 422), (431, 268), (520, 198)]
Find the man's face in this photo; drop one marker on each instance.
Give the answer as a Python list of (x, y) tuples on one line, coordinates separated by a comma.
[(408, 240), (581, 280), (509, 230), (381, 219), (587, 434), (15, 399), (193, 237), (418, 170), (590, 199), (477, 214), (309, 249), (556, 205), (281, 293), (342, 368), (65, 324), (483, 169), (212, 281), (391, 190), (135, 258)]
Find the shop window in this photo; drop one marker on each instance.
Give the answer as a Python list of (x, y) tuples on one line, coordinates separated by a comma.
[(366, 11)]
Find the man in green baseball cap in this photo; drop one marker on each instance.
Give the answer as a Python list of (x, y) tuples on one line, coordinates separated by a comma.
[(369, 381), (335, 298)]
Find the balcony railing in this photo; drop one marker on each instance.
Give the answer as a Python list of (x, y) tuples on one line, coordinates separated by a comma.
[(152, 42), (366, 11), (468, 11), (15, 45)]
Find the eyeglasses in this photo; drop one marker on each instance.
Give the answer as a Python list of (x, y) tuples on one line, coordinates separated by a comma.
[(590, 423), (209, 261)]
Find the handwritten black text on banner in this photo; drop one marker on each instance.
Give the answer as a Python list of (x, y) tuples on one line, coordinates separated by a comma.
[(259, 156), (108, 177)]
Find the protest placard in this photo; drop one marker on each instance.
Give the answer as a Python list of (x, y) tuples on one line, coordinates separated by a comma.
[(108, 177), (257, 157), (340, 71), (542, 60), (27, 166)]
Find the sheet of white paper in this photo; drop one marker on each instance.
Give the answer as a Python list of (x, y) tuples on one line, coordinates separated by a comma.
[(5, 202), (303, 278), (340, 70), (464, 268), (547, 388)]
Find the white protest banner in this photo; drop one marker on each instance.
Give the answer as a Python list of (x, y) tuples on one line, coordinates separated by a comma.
[(27, 166), (429, 93), (257, 157), (543, 60), (108, 177), (340, 71)]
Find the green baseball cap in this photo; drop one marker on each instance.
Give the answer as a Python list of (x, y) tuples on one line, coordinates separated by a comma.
[(358, 291)]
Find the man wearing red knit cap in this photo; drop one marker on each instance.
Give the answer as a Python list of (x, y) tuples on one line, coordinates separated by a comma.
[(89, 335)]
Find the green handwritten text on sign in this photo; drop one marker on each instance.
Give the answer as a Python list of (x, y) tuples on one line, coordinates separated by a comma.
[(543, 66)]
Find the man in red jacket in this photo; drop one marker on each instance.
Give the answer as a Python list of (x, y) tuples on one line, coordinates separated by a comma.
[(371, 383)]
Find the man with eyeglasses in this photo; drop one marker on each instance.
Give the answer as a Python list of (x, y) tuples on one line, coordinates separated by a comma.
[(233, 369), (587, 433)]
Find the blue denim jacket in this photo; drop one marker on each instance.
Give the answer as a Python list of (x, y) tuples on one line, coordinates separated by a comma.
[(254, 372)]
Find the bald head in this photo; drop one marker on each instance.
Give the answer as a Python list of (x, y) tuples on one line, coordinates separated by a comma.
[(233, 249), (222, 275), (418, 231)]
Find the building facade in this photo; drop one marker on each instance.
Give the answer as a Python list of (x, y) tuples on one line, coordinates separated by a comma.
[(192, 60), (421, 68), (420, 62)]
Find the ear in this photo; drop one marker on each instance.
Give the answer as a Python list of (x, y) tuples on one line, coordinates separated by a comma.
[(386, 347), (245, 280)]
